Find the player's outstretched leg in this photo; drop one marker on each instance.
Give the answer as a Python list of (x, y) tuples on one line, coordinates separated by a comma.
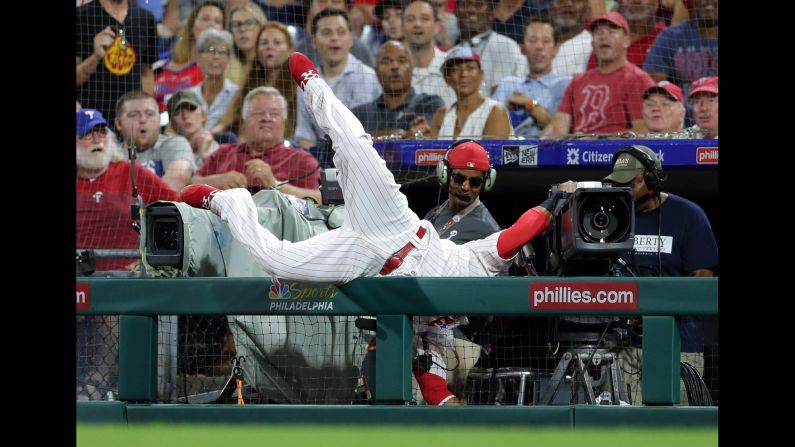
[(335, 256), (375, 206)]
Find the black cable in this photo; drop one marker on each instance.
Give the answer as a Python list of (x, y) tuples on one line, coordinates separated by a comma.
[(695, 388), (301, 176), (659, 237), (135, 207)]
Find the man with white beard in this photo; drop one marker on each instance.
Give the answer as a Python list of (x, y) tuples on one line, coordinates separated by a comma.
[(104, 222), (104, 190)]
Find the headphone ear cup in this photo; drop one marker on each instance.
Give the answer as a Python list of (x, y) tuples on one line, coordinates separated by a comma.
[(655, 180), (489, 183), (441, 173), (650, 177), (662, 177)]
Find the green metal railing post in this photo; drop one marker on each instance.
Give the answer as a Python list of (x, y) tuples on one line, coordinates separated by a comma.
[(393, 361), (137, 358), (661, 346)]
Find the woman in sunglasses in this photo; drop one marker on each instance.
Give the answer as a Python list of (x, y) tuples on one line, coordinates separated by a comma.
[(472, 115)]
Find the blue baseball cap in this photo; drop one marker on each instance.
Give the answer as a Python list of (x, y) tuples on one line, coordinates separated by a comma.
[(88, 119)]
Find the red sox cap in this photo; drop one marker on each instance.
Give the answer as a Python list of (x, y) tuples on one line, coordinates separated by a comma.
[(707, 84), (666, 88), (469, 155), (613, 17)]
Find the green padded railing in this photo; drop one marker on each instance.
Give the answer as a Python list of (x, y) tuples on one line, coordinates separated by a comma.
[(393, 301)]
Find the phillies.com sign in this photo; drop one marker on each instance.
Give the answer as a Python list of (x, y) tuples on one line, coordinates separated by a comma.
[(569, 295)]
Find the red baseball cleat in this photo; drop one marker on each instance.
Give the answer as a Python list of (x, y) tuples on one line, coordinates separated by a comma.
[(302, 69), (199, 196)]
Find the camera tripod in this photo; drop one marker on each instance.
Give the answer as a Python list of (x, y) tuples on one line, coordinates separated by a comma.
[(605, 388)]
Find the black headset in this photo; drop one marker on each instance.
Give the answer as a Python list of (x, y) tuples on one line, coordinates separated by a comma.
[(443, 168), (653, 176)]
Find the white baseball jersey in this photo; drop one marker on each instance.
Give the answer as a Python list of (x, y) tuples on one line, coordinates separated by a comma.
[(378, 224)]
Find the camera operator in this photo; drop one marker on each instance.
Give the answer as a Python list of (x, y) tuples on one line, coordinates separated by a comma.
[(673, 237)]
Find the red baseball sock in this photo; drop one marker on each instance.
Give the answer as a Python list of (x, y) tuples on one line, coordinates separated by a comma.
[(198, 196), (302, 69), (434, 388)]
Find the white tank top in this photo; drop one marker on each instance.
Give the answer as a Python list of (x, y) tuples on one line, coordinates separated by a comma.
[(474, 125)]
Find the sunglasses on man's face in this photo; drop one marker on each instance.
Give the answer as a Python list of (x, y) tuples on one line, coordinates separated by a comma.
[(474, 182)]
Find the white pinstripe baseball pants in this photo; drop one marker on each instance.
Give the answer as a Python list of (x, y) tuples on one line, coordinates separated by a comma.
[(378, 224)]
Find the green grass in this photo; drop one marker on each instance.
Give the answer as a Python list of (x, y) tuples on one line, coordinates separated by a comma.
[(366, 436)]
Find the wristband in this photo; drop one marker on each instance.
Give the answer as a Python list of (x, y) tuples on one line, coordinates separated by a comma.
[(529, 105)]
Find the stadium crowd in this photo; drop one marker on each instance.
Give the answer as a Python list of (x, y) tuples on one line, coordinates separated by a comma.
[(200, 91)]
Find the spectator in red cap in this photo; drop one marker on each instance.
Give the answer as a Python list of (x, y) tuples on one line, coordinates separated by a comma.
[(663, 108), (472, 115), (703, 100), (644, 28), (608, 98)]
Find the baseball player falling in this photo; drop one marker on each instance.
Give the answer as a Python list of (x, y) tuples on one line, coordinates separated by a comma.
[(381, 236)]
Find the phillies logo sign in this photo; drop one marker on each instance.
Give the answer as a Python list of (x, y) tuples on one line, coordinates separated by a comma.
[(428, 157), (707, 155)]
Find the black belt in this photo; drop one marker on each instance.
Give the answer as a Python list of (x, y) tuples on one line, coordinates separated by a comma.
[(397, 259)]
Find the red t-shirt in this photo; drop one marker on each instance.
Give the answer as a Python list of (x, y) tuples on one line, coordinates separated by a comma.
[(168, 82), (636, 53), (286, 163), (103, 209), (605, 103)]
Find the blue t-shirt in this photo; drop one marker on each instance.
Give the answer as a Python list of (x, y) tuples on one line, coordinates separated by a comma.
[(687, 244), (548, 90), (681, 53)]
